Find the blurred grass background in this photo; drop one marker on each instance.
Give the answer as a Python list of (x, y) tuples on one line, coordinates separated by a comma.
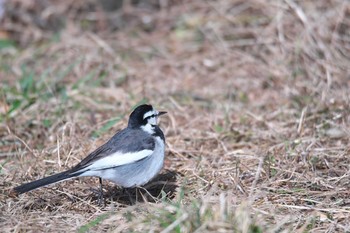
[(257, 95)]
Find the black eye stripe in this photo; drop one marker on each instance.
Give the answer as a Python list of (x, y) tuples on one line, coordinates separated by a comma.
[(154, 115)]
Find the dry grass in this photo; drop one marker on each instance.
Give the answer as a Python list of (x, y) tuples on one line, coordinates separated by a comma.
[(258, 127)]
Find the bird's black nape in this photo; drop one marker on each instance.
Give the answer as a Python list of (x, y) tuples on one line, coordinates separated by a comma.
[(136, 117)]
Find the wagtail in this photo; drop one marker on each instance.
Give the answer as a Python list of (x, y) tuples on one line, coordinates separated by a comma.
[(131, 158)]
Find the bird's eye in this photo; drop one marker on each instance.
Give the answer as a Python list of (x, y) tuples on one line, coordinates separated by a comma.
[(149, 117)]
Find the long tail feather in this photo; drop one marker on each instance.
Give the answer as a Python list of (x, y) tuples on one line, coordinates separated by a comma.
[(42, 182)]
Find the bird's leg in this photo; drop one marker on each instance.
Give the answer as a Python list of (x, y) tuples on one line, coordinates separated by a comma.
[(136, 193), (126, 190), (100, 195), (139, 193)]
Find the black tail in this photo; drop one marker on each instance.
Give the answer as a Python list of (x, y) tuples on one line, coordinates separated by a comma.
[(42, 182)]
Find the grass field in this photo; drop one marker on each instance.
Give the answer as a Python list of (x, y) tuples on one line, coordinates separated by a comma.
[(257, 94)]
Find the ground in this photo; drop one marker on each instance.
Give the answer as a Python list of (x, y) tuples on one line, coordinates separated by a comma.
[(258, 123)]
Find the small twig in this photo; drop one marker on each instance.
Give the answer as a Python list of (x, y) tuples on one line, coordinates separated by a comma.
[(21, 140), (103, 44), (298, 10), (314, 208), (257, 175), (58, 153), (301, 120)]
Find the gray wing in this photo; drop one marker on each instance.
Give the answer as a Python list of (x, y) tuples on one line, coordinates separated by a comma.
[(125, 141)]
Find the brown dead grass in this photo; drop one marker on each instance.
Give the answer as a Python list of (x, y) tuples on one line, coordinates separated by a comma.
[(258, 127)]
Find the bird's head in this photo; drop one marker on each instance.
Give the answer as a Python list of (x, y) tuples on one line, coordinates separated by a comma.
[(144, 117)]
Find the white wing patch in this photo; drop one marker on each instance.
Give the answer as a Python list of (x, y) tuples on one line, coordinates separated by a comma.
[(117, 159)]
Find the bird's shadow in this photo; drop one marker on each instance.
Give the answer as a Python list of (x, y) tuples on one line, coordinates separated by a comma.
[(161, 187)]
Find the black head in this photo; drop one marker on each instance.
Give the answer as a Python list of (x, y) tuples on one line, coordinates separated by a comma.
[(144, 116)]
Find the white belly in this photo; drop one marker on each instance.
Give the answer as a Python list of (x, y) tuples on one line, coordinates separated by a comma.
[(137, 173)]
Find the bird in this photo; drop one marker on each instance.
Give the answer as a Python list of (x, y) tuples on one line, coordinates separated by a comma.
[(131, 158)]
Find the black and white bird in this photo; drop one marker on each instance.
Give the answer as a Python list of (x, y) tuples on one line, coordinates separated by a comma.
[(131, 158)]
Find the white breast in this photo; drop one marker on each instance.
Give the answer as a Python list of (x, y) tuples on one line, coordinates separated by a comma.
[(157, 160)]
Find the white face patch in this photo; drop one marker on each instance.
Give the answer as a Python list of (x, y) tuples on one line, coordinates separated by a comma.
[(152, 117), (152, 120), (148, 128)]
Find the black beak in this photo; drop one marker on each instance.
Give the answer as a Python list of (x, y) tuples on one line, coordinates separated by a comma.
[(161, 113)]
